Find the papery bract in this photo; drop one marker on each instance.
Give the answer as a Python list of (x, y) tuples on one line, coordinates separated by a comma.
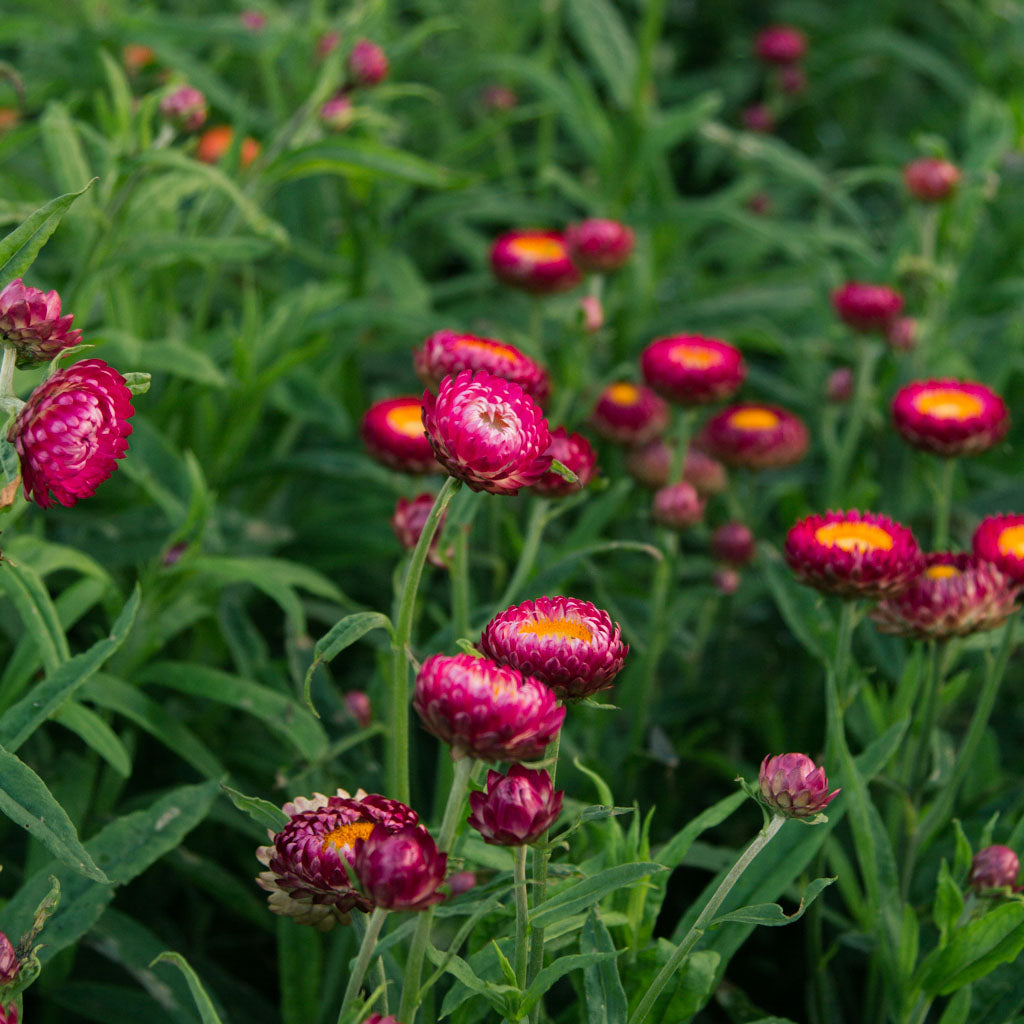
[(408, 520), (867, 307), (780, 44), (757, 436), (185, 107), (400, 869), (629, 413), (931, 179), (535, 260), (599, 245), (30, 320), (678, 506), (392, 430), (367, 63), (794, 786), (994, 867), (733, 543), (574, 452), (517, 808), (950, 417), (1000, 540), (691, 369)]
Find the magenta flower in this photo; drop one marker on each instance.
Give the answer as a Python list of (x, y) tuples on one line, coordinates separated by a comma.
[(1000, 540), (499, 97), (569, 644), (400, 869), (780, 44), (357, 704), (30, 320), (901, 334), (71, 432), (950, 417), (367, 63), (651, 463), (9, 963), (408, 520), (756, 435), (591, 314), (931, 179), (575, 453), (535, 260), (794, 786), (598, 245), (629, 413), (994, 867), (678, 506), (328, 43), (185, 107), (867, 307), (725, 580), (517, 808), (338, 113), (484, 710), (691, 369), (255, 21), (487, 432), (733, 543), (376, 1018), (393, 433)]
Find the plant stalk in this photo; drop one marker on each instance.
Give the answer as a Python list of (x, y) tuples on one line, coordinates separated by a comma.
[(522, 916), (355, 980)]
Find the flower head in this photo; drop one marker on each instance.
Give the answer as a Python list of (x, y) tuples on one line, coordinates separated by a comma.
[(569, 644), (651, 464), (758, 117), (517, 808), (780, 44), (691, 369), (30, 320), (400, 869), (447, 353), (575, 453), (534, 260), (901, 334), (485, 710), (393, 433), (217, 140), (408, 520), (305, 875), (1000, 540), (794, 786), (678, 506), (629, 413), (185, 107), (758, 436), (9, 963), (733, 543), (357, 704), (367, 63), (950, 417), (931, 179), (327, 43), (71, 432), (598, 245), (955, 595), (853, 554), (867, 307), (994, 867), (338, 113), (487, 432)]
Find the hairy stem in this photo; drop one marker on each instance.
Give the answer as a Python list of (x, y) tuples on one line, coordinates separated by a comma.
[(355, 980)]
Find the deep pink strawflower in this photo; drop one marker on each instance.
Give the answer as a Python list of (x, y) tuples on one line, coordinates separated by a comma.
[(487, 432), (30, 320), (1000, 540), (839, 386), (357, 704), (629, 413), (9, 963), (10, 1014), (484, 710), (950, 417), (185, 108), (756, 435), (516, 809), (447, 353), (338, 113), (994, 867), (400, 869), (957, 594), (733, 543), (931, 179), (691, 369), (408, 520), (678, 506), (367, 63), (566, 643), (650, 464), (794, 786), (780, 44), (853, 554), (305, 875), (599, 245), (393, 433), (535, 260), (758, 117), (71, 432), (574, 452), (867, 307)]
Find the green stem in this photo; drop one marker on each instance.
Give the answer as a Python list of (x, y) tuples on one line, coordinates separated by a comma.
[(547, 55), (459, 570), (943, 503), (522, 916), (528, 555), (398, 737), (681, 439), (697, 929), (933, 681), (7, 370), (863, 383), (355, 980)]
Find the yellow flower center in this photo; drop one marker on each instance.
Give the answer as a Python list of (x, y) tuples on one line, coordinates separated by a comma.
[(534, 247), (754, 419), (480, 345), (694, 357), (948, 404), (1011, 541), (624, 394), (406, 420), (941, 572), (564, 629), (853, 537), (344, 836)]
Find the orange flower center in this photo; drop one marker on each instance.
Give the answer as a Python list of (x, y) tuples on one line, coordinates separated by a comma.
[(1011, 541), (480, 345), (564, 629), (694, 357), (854, 537), (754, 419), (948, 404), (941, 572), (344, 836), (624, 394), (537, 248), (406, 420)]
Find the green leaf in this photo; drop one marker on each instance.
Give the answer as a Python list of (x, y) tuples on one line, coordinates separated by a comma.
[(25, 799), (29, 596), (207, 1014), (300, 955), (343, 634), (563, 965), (771, 914), (958, 1009), (948, 904), (601, 33), (587, 892), (802, 609), (263, 812), (605, 997), (672, 853), (165, 355), (95, 733), (694, 987)]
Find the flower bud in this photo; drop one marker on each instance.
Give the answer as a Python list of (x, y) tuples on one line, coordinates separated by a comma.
[(725, 580), (401, 869), (901, 334), (254, 21), (994, 867), (408, 520), (758, 118), (376, 1018), (575, 453), (367, 63), (328, 43), (733, 543), (337, 113), (678, 506), (780, 44), (839, 386), (499, 97), (30, 320), (517, 808), (794, 786), (598, 245), (185, 108), (867, 307), (461, 881), (357, 704), (592, 313), (792, 79), (217, 140), (931, 179)]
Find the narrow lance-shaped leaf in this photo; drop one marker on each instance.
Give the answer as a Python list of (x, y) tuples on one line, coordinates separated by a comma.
[(207, 1013), (771, 914)]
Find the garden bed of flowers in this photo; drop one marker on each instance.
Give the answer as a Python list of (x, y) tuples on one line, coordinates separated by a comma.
[(511, 512)]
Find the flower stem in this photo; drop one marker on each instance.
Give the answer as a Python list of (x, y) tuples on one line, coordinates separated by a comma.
[(459, 570), (522, 916), (943, 503), (528, 555), (355, 980), (932, 683), (697, 929), (7, 370), (398, 736), (843, 456)]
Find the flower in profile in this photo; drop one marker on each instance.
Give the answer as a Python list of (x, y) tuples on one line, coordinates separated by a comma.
[(758, 117), (931, 179), (337, 113), (853, 554), (400, 869), (447, 353), (1000, 540), (534, 260), (678, 506), (516, 809), (691, 369), (651, 463), (733, 543), (780, 44), (392, 430), (867, 307), (794, 786), (185, 108), (71, 432), (950, 417), (487, 432), (305, 875), (367, 63), (629, 413), (574, 452), (598, 245), (484, 710), (756, 435), (30, 320), (994, 867), (956, 594), (10, 965), (217, 140), (408, 520), (569, 644)]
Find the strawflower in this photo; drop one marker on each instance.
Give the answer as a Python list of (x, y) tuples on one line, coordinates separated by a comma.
[(516, 809), (376, 1018), (499, 97), (691, 369), (901, 334), (574, 452), (599, 245), (931, 179), (185, 107), (569, 644), (733, 543), (867, 307), (9, 963), (400, 869), (651, 463), (780, 44), (408, 520), (994, 867), (30, 320), (757, 436), (839, 386), (794, 786), (1000, 540), (629, 413), (758, 117), (393, 433), (337, 113), (678, 506), (535, 260), (367, 63), (357, 704), (725, 580), (950, 417)]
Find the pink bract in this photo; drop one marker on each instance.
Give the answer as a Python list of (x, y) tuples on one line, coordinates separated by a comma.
[(9, 963), (30, 320), (867, 307), (994, 867), (574, 452), (691, 369), (758, 117), (678, 506), (393, 433), (535, 260), (367, 63), (780, 44), (408, 520), (599, 245), (516, 809), (733, 543), (1000, 540), (931, 179), (950, 417), (400, 869), (185, 107), (629, 413), (757, 436), (794, 786)]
